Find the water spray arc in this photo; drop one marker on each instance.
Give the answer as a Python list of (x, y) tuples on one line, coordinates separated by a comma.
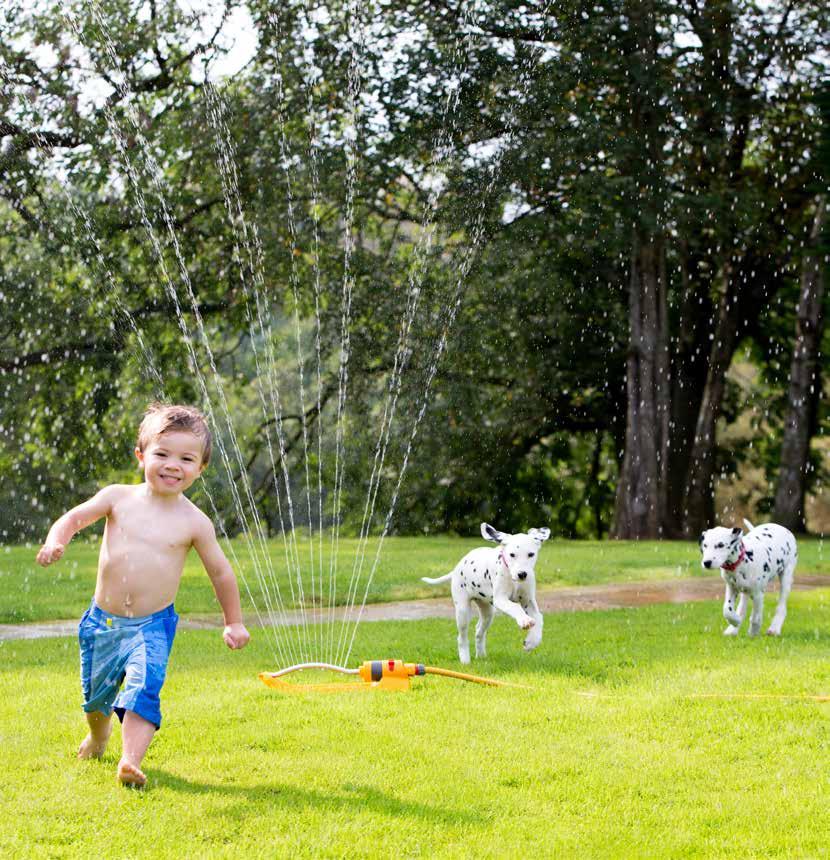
[(292, 642)]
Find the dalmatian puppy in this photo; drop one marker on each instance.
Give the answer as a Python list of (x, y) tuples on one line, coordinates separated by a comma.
[(492, 578), (748, 563)]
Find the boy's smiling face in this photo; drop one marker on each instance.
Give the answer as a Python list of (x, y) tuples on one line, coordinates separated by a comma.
[(171, 462)]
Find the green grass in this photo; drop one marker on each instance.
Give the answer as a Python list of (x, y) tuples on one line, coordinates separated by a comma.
[(606, 755), (32, 593)]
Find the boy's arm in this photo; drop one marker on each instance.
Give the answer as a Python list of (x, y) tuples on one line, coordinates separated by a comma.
[(224, 583), (66, 526)]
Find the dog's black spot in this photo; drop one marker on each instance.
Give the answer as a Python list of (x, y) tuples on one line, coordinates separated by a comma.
[(749, 554), (482, 594), (766, 568)]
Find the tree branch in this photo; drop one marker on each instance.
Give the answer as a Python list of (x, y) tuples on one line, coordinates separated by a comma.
[(764, 64), (40, 139)]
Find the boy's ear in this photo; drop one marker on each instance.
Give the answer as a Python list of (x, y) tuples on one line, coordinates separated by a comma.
[(139, 455)]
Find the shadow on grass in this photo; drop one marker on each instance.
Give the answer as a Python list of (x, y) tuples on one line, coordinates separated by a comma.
[(353, 797)]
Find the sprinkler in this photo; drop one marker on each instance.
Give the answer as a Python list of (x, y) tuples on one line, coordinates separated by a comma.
[(374, 675)]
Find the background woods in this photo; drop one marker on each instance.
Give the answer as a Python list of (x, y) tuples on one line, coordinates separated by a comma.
[(616, 214)]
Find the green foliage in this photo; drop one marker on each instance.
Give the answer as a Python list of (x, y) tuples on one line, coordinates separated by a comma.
[(337, 114)]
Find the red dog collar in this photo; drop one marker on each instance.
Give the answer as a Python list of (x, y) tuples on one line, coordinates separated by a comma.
[(503, 559), (732, 565)]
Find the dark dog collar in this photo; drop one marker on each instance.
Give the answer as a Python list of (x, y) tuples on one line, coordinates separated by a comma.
[(732, 565)]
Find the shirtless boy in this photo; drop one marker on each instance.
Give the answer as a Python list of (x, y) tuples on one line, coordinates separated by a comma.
[(127, 632)]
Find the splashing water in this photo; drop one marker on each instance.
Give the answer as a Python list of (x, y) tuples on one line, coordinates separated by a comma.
[(315, 600)]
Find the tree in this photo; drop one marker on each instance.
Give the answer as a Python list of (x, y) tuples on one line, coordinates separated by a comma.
[(593, 211), (805, 384)]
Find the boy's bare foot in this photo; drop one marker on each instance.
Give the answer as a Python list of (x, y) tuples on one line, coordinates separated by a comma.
[(130, 775), (92, 747)]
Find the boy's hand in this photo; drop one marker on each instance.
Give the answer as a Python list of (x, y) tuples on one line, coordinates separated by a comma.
[(50, 552), (236, 636)]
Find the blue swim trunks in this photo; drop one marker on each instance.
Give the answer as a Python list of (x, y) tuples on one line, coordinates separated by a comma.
[(131, 651)]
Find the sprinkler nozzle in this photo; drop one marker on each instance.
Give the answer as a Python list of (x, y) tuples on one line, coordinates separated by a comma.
[(392, 674)]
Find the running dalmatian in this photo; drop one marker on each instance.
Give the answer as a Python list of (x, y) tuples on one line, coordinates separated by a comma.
[(748, 563), (500, 578)]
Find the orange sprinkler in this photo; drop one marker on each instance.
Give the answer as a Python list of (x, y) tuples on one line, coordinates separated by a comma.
[(375, 675)]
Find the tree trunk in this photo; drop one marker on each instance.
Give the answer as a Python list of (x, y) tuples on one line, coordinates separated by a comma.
[(699, 504), (688, 380), (639, 509), (641, 491), (805, 386)]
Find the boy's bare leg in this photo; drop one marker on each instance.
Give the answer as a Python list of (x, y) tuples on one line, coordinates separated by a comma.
[(136, 734), (95, 743)]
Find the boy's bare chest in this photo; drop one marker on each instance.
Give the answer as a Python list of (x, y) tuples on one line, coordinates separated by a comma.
[(136, 524)]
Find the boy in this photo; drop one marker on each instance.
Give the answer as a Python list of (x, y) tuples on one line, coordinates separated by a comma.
[(127, 632)]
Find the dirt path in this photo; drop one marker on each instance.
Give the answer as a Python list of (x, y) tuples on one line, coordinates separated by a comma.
[(577, 599)]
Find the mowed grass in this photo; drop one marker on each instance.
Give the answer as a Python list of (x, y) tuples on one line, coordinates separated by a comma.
[(31, 593), (607, 753)]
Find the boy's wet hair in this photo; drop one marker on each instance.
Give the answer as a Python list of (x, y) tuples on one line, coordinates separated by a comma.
[(174, 418)]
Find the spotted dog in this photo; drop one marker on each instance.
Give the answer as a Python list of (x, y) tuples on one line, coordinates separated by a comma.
[(748, 563), (502, 578)]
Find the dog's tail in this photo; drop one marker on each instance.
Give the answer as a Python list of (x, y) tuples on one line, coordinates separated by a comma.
[(748, 524), (437, 581)]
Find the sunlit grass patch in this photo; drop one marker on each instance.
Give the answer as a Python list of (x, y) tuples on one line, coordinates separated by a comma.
[(606, 755), (32, 593)]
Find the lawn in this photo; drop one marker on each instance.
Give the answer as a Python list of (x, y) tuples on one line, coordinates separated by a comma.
[(606, 754), (32, 593)]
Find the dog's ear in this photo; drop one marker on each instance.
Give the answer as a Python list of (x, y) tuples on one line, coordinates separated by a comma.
[(539, 535), (489, 533), (702, 538)]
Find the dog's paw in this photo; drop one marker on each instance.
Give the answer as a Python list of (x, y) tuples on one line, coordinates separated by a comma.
[(731, 631), (773, 632)]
